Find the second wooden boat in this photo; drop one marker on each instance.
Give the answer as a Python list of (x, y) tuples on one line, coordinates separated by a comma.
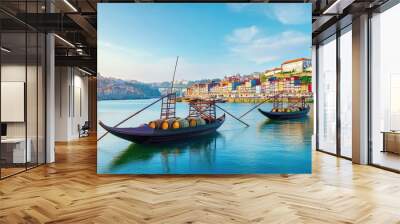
[(302, 112), (295, 107)]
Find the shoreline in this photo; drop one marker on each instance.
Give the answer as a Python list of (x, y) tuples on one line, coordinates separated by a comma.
[(228, 100), (260, 100)]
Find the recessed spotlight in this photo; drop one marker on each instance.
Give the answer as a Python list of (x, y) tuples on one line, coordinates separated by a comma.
[(5, 50), (64, 40), (84, 71), (70, 5)]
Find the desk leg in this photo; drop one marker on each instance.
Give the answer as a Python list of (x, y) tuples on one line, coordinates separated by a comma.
[(384, 143)]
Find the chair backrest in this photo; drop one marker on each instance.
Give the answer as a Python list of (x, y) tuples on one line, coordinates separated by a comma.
[(86, 125)]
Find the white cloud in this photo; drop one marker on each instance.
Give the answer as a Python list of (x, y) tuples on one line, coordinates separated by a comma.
[(243, 35), (237, 7), (287, 14), (260, 48), (107, 46), (291, 14), (155, 69), (250, 49)]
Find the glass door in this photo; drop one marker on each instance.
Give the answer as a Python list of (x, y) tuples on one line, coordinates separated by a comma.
[(346, 92), (385, 89), (22, 95), (14, 155), (326, 87)]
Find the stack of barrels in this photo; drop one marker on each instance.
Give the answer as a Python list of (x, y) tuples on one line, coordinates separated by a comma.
[(176, 123), (286, 110)]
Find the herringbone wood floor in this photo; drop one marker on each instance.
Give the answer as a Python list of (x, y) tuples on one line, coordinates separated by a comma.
[(70, 191)]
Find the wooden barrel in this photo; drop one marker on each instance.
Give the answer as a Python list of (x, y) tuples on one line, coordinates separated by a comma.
[(176, 124), (200, 121), (166, 124), (192, 122), (154, 124), (180, 123)]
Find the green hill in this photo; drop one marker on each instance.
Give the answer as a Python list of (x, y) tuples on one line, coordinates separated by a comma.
[(118, 89)]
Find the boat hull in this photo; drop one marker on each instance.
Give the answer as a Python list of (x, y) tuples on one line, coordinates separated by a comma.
[(285, 115), (145, 134)]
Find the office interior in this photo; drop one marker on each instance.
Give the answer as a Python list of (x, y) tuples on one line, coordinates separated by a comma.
[(48, 76), (48, 79), (357, 83), (48, 92)]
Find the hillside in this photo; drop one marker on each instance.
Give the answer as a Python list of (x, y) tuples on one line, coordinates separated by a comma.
[(118, 89)]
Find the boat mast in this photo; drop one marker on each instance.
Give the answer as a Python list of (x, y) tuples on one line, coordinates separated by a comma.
[(173, 77), (168, 104)]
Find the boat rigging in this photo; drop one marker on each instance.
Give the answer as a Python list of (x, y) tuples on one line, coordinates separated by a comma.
[(201, 120)]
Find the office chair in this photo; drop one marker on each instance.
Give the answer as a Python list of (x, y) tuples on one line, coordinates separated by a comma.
[(84, 130)]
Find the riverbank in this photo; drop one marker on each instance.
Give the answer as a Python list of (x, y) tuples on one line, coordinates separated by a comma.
[(259, 100), (252, 100)]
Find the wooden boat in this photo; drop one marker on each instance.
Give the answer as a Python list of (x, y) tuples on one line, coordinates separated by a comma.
[(202, 120), (295, 108), (220, 100), (286, 115), (145, 134)]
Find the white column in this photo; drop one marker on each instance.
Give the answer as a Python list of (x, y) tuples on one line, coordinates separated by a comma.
[(314, 90), (62, 103), (360, 90), (50, 98)]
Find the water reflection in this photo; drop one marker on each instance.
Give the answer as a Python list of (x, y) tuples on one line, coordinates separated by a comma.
[(267, 146), (294, 131), (202, 149)]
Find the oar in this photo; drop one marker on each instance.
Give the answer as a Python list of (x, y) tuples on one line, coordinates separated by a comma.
[(254, 108), (136, 113), (232, 115)]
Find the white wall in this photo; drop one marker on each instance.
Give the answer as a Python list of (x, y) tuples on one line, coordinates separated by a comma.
[(314, 90), (71, 102), (33, 126), (10, 73), (62, 81), (16, 73)]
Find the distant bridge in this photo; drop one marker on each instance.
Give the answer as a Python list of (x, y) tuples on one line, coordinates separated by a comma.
[(179, 89)]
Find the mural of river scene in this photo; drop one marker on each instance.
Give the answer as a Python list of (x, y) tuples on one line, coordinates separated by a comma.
[(267, 146), (191, 64)]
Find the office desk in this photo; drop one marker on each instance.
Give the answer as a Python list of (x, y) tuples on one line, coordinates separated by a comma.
[(13, 150), (391, 141)]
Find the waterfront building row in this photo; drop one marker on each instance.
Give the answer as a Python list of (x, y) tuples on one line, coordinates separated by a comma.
[(293, 78)]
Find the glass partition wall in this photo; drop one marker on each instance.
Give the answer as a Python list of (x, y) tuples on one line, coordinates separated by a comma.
[(22, 98), (385, 89), (345, 61), (326, 87), (334, 94)]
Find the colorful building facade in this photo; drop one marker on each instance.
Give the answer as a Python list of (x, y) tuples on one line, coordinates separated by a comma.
[(293, 78)]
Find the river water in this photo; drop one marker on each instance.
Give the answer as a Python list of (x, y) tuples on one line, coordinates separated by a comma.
[(266, 146)]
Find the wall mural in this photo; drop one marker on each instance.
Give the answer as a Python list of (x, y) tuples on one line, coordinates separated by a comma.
[(208, 88)]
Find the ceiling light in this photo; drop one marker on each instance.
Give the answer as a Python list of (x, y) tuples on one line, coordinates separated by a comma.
[(337, 7), (5, 50), (65, 41), (79, 51), (70, 5), (84, 71)]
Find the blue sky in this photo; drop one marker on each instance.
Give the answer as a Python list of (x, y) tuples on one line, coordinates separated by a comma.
[(141, 41)]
